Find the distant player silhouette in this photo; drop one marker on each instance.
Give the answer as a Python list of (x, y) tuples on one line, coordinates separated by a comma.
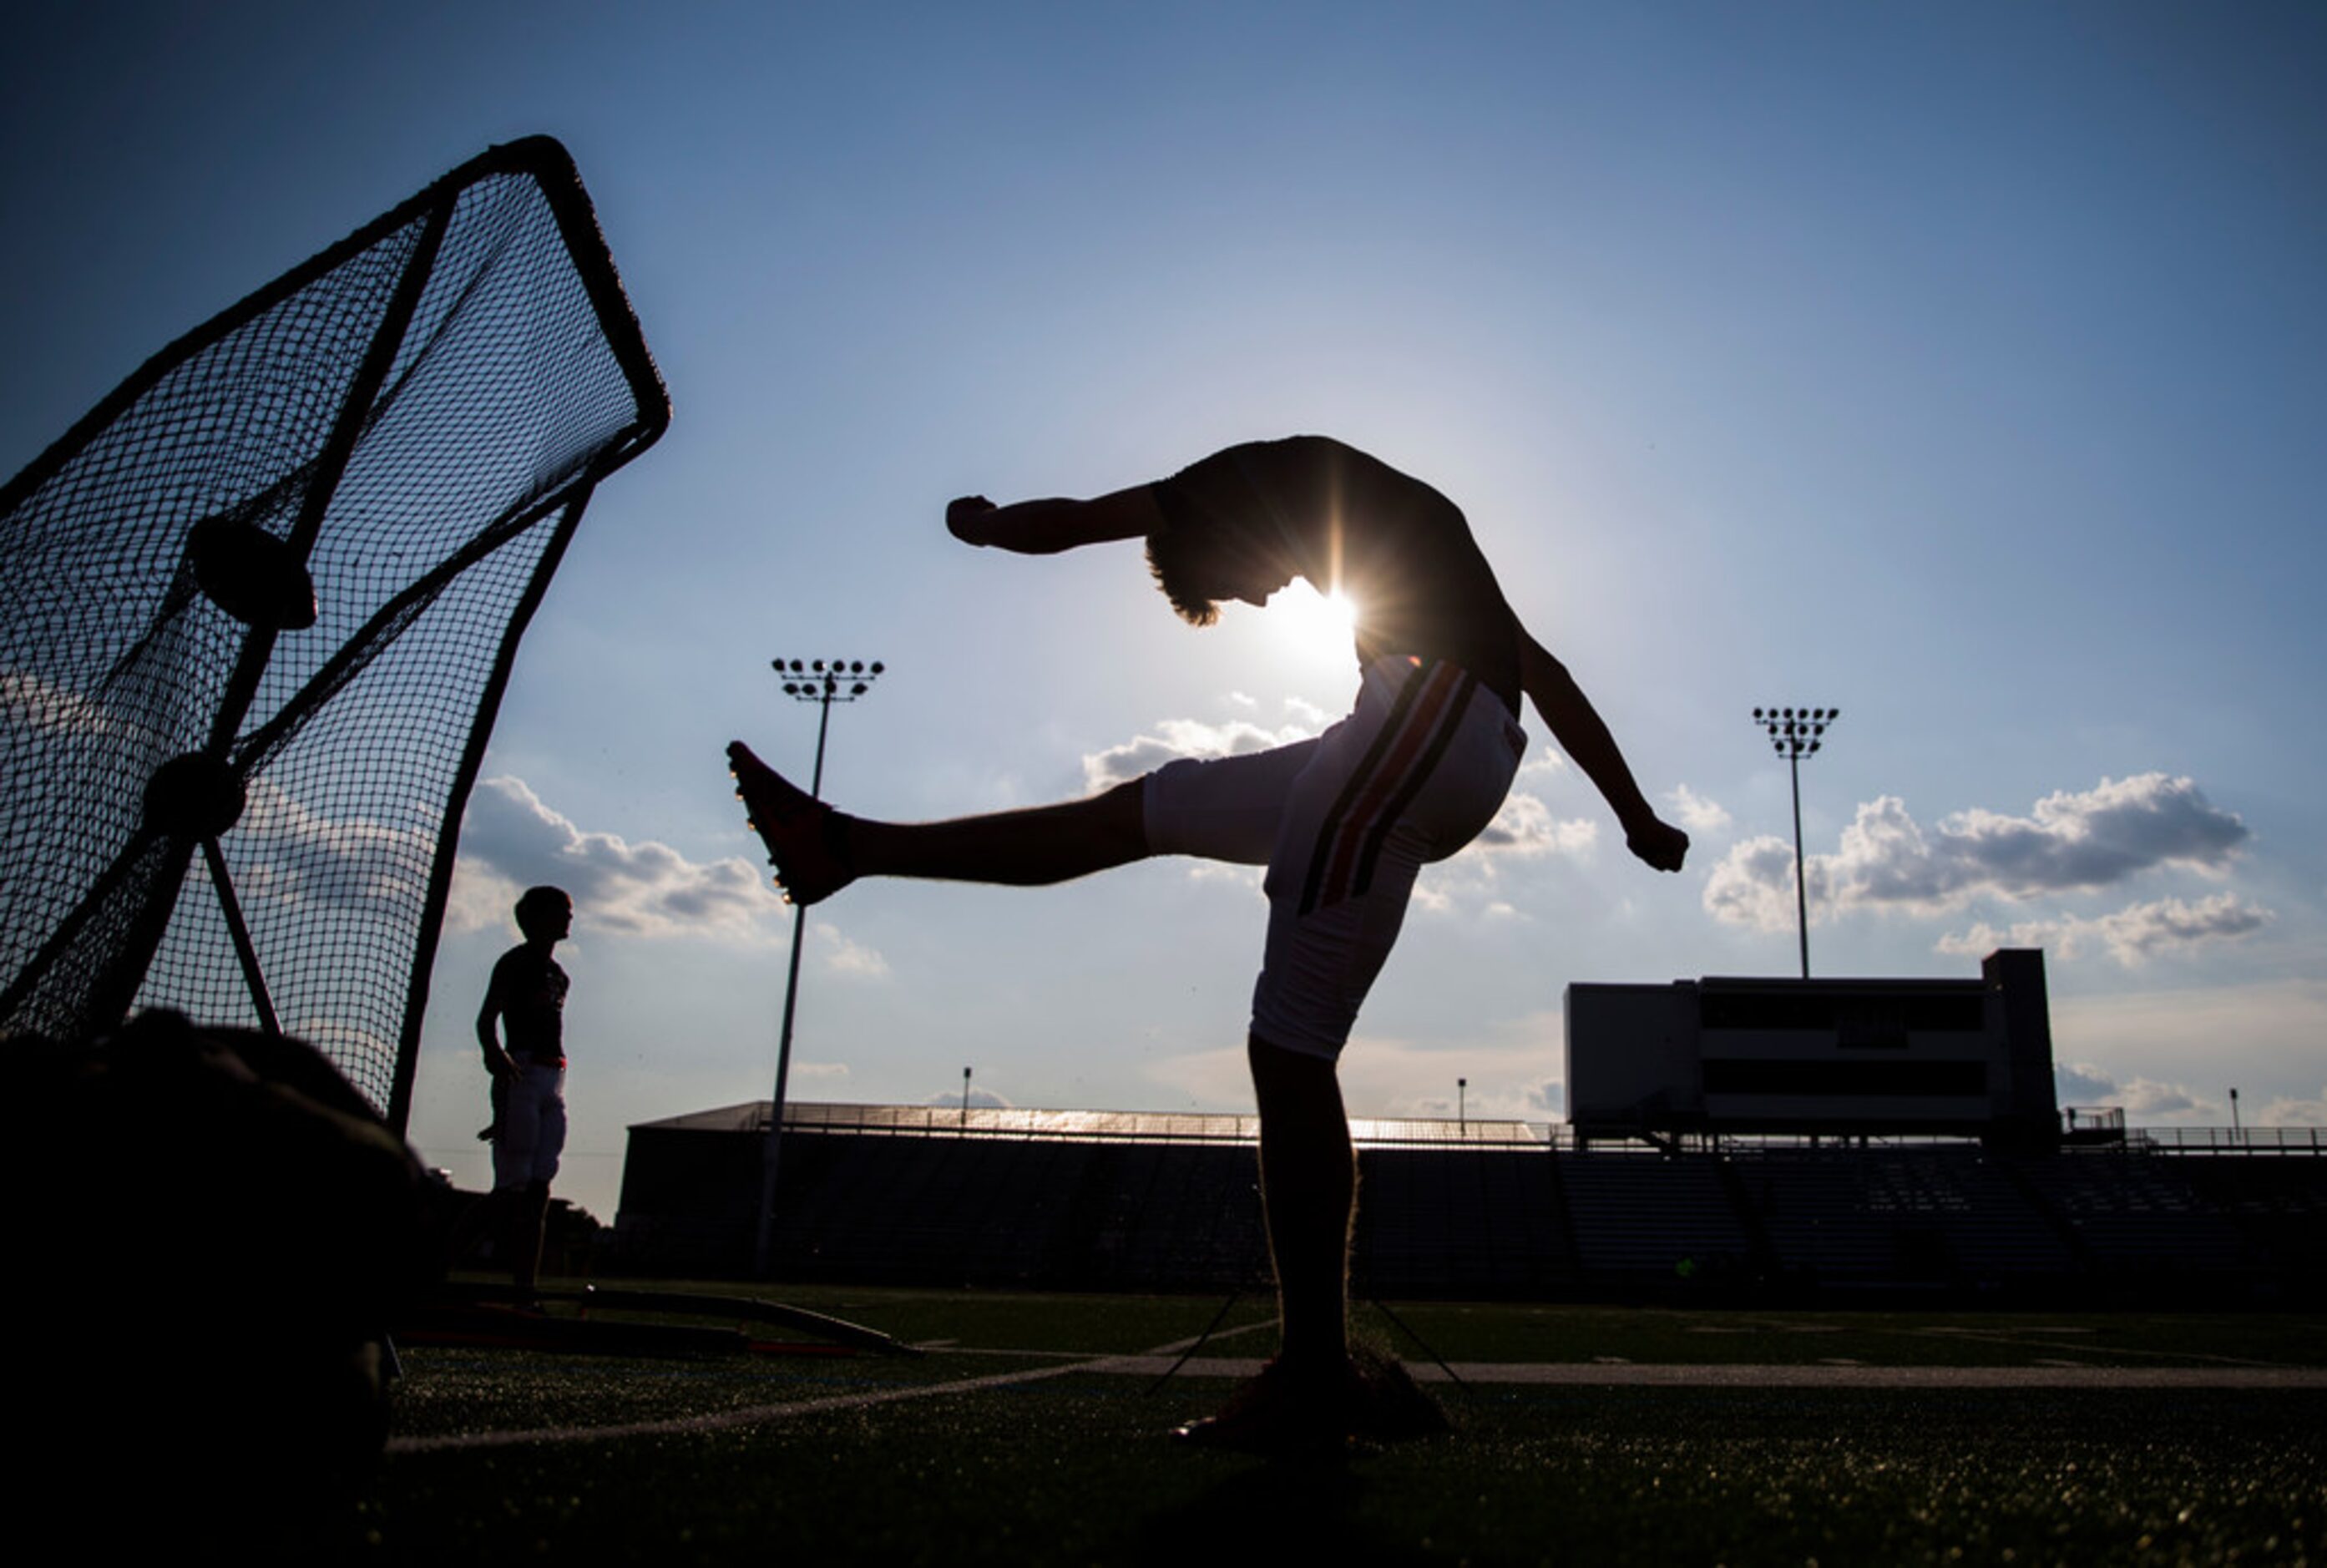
[(1343, 822), (526, 1001)]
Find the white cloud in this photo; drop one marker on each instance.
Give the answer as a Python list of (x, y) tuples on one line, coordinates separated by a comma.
[(1696, 813), (2146, 1101), (980, 1100), (2080, 1083), (281, 850), (511, 840), (2140, 1049), (2150, 1098), (2131, 934), (2286, 1112), (1753, 886), (1172, 739), (1524, 827), (30, 704), (841, 955), (2071, 843)]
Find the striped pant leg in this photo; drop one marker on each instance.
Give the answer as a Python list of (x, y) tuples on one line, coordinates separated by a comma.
[(1411, 777)]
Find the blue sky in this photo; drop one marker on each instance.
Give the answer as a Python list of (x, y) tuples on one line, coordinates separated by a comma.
[(1957, 366)]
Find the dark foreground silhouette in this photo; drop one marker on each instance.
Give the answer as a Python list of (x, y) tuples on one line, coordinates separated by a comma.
[(212, 1231)]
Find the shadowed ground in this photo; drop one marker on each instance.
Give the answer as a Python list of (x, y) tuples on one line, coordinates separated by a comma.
[(1007, 1445)]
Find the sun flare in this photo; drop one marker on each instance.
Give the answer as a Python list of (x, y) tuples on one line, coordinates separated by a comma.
[(1316, 624)]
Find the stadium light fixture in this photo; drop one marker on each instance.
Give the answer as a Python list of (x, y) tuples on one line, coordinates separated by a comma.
[(820, 682), (1795, 733)]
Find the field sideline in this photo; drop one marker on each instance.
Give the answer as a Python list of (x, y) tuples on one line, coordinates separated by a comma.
[(1033, 1431)]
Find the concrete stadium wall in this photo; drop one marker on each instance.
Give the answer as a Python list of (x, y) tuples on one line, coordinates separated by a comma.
[(1802, 1224)]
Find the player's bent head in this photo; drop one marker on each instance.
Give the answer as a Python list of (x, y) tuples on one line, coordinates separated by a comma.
[(1197, 569), (1177, 560), (543, 912)]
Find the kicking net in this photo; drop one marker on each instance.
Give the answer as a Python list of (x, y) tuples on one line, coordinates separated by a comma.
[(258, 607)]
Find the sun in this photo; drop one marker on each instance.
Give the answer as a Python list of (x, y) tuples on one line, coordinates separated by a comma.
[(1316, 625)]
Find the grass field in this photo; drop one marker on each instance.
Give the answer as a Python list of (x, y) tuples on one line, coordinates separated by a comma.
[(1791, 1439)]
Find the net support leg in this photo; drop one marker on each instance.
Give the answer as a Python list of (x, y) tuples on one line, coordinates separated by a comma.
[(245, 954)]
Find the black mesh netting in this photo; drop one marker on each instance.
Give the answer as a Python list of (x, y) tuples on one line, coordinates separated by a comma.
[(425, 408)]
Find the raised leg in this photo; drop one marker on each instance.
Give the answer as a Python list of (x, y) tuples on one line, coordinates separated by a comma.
[(1030, 848), (819, 851)]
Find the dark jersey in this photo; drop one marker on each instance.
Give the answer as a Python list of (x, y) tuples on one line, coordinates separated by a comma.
[(529, 991), (1401, 552)]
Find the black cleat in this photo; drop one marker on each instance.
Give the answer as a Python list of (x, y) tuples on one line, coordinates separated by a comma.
[(1276, 1413), (805, 840), (1368, 1397)]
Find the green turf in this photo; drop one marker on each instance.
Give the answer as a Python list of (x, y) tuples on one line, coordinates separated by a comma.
[(1078, 1467)]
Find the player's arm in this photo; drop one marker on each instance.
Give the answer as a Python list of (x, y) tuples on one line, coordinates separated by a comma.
[(1576, 725), (497, 1062), (1046, 528)]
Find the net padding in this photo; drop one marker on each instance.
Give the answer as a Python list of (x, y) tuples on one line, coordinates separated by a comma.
[(423, 409)]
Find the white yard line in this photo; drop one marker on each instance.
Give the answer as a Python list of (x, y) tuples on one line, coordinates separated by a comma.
[(723, 1420), (1576, 1375), (1815, 1375)]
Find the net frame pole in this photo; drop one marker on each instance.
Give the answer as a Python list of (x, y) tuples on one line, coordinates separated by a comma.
[(560, 184), (239, 931), (456, 803), (331, 464)]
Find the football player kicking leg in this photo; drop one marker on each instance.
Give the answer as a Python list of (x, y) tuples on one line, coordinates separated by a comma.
[(1343, 822)]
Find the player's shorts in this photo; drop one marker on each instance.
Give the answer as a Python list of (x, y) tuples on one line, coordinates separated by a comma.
[(1344, 823), (532, 1126)]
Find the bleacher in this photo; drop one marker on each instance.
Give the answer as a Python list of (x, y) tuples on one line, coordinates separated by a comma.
[(1645, 1216), (2135, 1215), (905, 1195), (1448, 1222), (2280, 1216), (1898, 1217)]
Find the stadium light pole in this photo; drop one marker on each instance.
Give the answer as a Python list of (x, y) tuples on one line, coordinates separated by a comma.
[(824, 682), (1795, 733), (1462, 1119)]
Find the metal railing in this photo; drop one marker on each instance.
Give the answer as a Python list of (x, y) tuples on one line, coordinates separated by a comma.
[(1027, 1124), (1146, 1126), (2230, 1140)]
